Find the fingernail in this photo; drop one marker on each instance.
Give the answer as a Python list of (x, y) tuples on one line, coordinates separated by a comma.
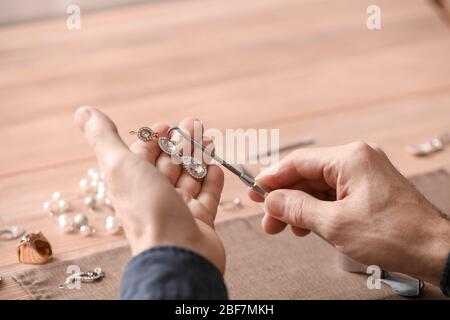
[(274, 204), (272, 170), (82, 117)]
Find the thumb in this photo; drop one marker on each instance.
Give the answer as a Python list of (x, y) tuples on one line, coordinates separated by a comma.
[(298, 209), (101, 133)]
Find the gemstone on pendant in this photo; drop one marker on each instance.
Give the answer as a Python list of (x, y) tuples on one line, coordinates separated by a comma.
[(145, 134), (168, 146), (194, 167)]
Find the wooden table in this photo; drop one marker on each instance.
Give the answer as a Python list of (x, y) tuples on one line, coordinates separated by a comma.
[(306, 67)]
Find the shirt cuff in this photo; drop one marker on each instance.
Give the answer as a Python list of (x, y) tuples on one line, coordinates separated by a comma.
[(445, 278), (172, 273)]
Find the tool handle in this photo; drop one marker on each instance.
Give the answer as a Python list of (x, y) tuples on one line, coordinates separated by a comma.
[(256, 186)]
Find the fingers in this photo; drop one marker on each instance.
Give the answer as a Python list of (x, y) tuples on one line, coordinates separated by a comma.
[(211, 189), (168, 167), (299, 209), (300, 232), (303, 164), (171, 169), (150, 150), (310, 164), (271, 225), (194, 128), (101, 133)]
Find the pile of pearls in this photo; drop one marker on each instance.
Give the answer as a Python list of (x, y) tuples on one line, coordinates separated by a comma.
[(56, 205), (94, 194), (95, 190)]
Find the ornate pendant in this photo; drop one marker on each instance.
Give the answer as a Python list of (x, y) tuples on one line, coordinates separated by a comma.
[(194, 167), (168, 146), (145, 134), (83, 277)]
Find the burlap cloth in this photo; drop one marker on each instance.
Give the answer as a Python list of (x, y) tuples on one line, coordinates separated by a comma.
[(259, 266)]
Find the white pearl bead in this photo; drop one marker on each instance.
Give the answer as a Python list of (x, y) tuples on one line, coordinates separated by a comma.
[(237, 202), (65, 224), (80, 220), (108, 202), (63, 206), (100, 198), (53, 215), (84, 185), (93, 184), (91, 172), (47, 206), (112, 225), (101, 186), (90, 202), (56, 195), (87, 231), (95, 176)]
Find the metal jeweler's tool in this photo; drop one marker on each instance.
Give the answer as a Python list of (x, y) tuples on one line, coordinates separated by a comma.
[(243, 175), (402, 286), (302, 143)]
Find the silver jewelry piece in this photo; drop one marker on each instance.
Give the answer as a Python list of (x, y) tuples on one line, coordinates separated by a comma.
[(84, 277), (168, 146), (193, 166), (11, 233), (430, 146), (145, 134)]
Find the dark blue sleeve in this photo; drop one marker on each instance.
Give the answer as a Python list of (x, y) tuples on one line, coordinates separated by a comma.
[(171, 273), (445, 278)]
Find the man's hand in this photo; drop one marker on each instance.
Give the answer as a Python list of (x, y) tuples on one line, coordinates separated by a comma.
[(157, 203), (354, 197)]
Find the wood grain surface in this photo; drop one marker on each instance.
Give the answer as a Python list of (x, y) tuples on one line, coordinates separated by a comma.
[(306, 67)]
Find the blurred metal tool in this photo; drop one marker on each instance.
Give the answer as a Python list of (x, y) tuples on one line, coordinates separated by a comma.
[(302, 143), (430, 146), (404, 287), (245, 176)]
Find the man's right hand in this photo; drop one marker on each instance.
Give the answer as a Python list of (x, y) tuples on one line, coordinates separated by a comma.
[(355, 198)]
